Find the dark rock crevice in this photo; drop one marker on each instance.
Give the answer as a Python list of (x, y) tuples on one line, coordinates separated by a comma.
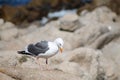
[(3, 71), (100, 71), (105, 39)]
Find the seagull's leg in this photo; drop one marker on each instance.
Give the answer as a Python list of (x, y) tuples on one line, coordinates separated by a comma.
[(47, 67), (37, 61), (47, 64), (46, 61)]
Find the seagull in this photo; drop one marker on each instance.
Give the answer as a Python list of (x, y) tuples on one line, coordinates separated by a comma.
[(44, 49)]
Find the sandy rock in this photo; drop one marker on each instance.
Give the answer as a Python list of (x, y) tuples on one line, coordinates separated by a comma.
[(106, 39), (9, 58), (5, 77), (12, 45), (91, 32), (7, 25), (36, 74), (75, 69), (113, 26), (100, 14), (30, 62), (87, 59), (84, 12), (118, 18), (19, 67), (51, 33), (7, 30), (70, 22), (99, 3), (13, 59), (1, 21), (48, 32), (111, 51), (8, 34), (87, 63), (24, 31), (103, 21), (76, 63), (81, 64), (109, 70), (105, 14)]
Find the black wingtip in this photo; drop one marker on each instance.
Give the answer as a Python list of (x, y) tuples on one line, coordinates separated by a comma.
[(21, 52)]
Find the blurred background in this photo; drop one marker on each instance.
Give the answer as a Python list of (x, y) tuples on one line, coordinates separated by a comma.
[(27, 11), (90, 30)]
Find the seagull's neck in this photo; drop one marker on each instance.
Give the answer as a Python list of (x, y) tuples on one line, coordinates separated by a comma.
[(56, 44)]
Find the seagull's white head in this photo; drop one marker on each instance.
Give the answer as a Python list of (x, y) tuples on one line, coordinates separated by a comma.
[(59, 42)]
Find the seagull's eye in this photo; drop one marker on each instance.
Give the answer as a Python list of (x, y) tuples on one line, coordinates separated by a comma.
[(60, 44)]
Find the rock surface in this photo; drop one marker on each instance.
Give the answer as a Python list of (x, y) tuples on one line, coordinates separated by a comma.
[(9, 34), (81, 64), (87, 63), (70, 22), (8, 31), (101, 14), (91, 50), (5, 77), (111, 51)]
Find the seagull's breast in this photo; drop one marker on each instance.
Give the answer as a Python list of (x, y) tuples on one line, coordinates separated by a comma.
[(53, 48)]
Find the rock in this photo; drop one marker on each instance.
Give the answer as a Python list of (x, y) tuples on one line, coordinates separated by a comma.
[(87, 63), (44, 33), (8, 34), (5, 77), (90, 33), (12, 45), (100, 14), (24, 68), (103, 21), (105, 39), (99, 3), (111, 51), (87, 60), (7, 25), (81, 58), (73, 68), (13, 59), (8, 31), (31, 74), (81, 64), (47, 33), (29, 29), (69, 22), (1, 21), (9, 58), (84, 12), (113, 5), (105, 14)]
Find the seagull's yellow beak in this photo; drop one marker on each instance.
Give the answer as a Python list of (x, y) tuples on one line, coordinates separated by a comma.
[(61, 49)]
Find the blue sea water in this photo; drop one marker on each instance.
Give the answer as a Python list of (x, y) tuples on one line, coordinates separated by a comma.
[(86, 1), (14, 2)]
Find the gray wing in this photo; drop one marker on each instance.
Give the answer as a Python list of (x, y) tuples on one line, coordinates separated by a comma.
[(42, 44), (37, 48)]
